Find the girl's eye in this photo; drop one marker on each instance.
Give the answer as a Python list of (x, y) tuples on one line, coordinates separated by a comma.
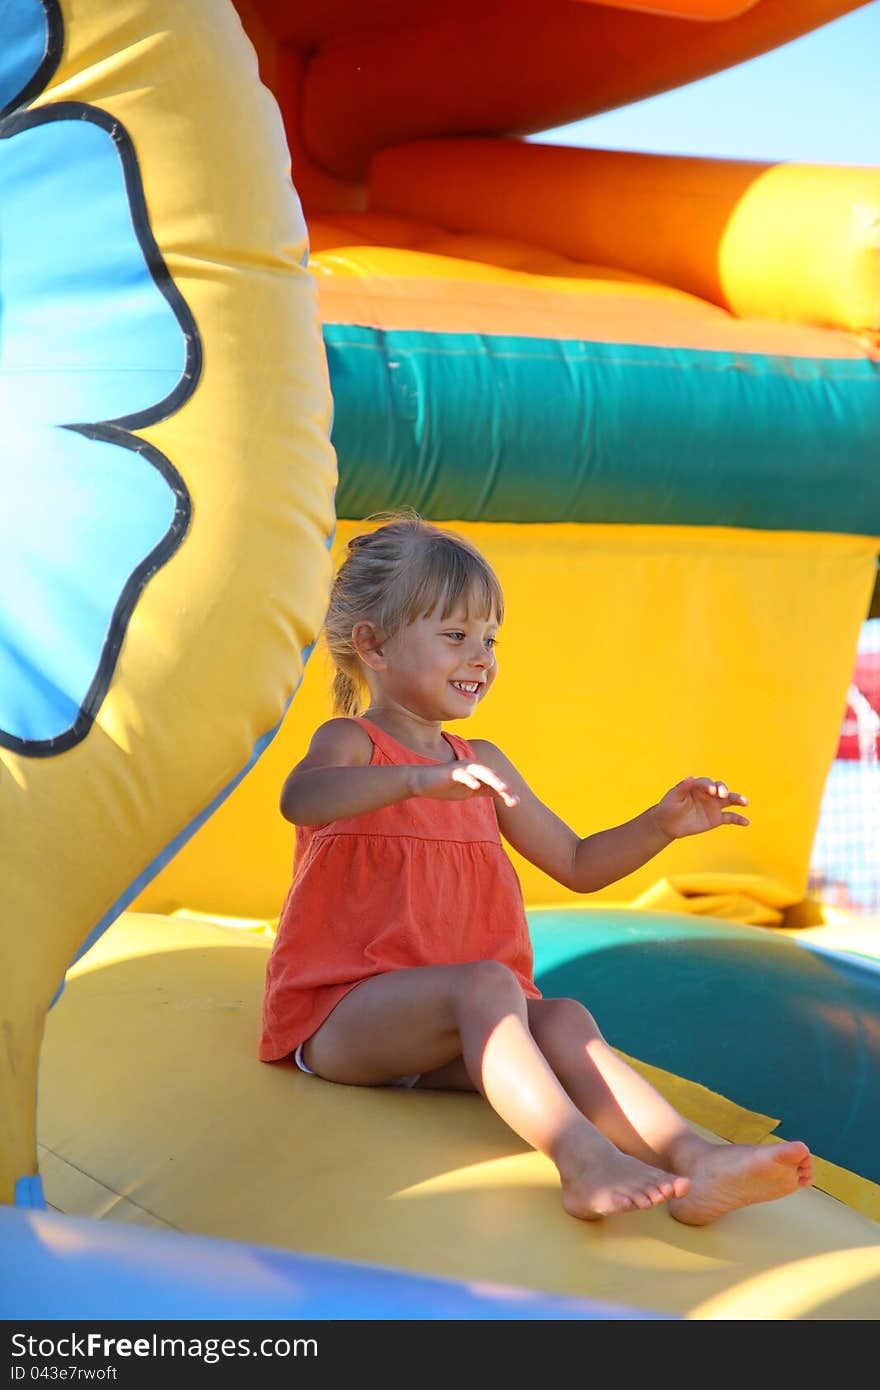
[(460, 636), (490, 641)]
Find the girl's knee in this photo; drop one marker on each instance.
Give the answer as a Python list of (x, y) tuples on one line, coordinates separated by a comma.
[(562, 1018), (487, 980)]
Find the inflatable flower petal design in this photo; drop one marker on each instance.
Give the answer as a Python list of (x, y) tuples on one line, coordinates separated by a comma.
[(94, 342), (140, 676)]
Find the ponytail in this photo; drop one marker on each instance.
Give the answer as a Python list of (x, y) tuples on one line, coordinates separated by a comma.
[(346, 695)]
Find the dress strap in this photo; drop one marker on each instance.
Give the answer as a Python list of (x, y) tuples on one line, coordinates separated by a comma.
[(461, 747), (387, 745)]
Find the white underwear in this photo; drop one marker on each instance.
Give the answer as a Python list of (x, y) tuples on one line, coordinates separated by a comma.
[(398, 1080)]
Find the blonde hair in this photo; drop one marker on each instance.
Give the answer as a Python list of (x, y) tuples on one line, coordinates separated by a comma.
[(390, 577)]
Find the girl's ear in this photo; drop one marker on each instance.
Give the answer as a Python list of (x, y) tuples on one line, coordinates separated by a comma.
[(367, 641)]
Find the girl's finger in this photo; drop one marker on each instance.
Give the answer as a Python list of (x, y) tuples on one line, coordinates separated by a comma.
[(462, 775), (491, 780), (486, 775), (719, 789), (730, 818)]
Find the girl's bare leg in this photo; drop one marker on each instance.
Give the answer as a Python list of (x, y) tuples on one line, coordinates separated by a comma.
[(421, 1020), (635, 1117)]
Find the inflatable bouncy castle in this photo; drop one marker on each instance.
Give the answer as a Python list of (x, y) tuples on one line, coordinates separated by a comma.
[(647, 388)]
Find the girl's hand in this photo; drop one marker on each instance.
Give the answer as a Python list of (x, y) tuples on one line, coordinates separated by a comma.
[(459, 781), (698, 804)]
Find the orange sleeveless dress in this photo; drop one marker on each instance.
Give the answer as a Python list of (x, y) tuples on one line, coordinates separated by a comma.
[(422, 882)]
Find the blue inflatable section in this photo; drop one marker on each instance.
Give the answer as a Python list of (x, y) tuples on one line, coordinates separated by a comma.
[(82, 513), (24, 26), (60, 1267)]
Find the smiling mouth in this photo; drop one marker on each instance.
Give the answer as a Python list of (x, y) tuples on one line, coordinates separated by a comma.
[(470, 688)]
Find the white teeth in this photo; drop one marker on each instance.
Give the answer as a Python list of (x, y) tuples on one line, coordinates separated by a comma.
[(470, 686)]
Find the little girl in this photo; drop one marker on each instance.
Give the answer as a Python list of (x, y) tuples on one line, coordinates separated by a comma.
[(403, 955)]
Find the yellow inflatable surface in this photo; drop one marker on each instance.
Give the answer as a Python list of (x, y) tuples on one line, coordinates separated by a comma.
[(210, 1142)]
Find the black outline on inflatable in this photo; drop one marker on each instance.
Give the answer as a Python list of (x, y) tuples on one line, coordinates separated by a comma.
[(118, 431), (49, 62)]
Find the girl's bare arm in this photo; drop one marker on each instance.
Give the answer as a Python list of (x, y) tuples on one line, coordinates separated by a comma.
[(586, 865), (336, 779)]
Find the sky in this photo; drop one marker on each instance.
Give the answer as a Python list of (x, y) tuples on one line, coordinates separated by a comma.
[(815, 100)]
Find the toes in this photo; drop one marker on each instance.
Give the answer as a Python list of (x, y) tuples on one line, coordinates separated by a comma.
[(642, 1200), (660, 1193), (675, 1186), (795, 1153)]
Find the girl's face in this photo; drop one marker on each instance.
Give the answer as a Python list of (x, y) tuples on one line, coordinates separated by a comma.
[(442, 668)]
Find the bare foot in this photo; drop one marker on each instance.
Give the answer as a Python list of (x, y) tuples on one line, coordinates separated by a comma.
[(597, 1180), (727, 1176)]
